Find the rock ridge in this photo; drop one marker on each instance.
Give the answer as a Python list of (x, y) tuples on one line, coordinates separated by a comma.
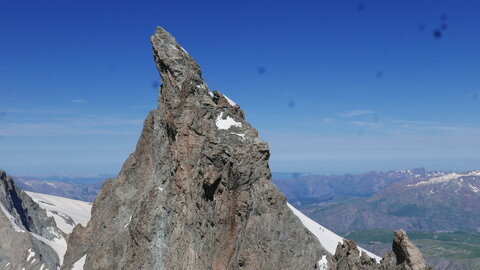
[(25, 230)]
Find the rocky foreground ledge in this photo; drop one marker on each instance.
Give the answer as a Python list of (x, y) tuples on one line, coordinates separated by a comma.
[(404, 256)]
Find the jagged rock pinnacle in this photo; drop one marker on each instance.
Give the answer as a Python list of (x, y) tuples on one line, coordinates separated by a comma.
[(407, 253), (197, 192), (180, 74)]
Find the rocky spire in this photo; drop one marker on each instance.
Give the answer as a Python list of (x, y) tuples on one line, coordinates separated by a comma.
[(405, 255), (180, 74), (197, 191)]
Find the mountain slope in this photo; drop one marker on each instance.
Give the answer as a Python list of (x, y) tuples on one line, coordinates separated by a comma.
[(29, 238), (437, 201), (197, 191), (327, 238)]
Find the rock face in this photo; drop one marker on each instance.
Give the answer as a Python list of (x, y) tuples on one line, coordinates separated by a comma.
[(26, 232), (404, 256), (197, 191)]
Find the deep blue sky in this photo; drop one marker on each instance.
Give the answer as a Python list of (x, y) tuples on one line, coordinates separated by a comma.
[(333, 86)]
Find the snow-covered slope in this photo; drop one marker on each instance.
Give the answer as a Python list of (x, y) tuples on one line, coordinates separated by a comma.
[(66, 212), (327, 238)]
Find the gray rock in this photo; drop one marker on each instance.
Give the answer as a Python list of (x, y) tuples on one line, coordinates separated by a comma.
[(404, 256), (22, 223), (197, 191), (348, 257)]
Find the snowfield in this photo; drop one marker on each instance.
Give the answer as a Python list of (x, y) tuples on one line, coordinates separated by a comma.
[(63, 210), (327, 238), (67, 213)]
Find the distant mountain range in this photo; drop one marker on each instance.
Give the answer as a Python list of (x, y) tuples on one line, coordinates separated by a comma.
[(77, 188), (416, 200), (367, 207)]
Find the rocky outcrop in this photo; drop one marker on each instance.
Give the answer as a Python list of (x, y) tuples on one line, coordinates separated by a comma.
[(347, 256), (197, 191), (26, 231), (404, 256)]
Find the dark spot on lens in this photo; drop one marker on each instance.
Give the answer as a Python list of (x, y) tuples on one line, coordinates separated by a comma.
[(375, 118), (444, 17), (437, 34), (155, 84), (475, 96), (2, 114), (360, 133), (379, 74), (291, 104), (422, 27), (261, 70), (444, 26), (360, 7)]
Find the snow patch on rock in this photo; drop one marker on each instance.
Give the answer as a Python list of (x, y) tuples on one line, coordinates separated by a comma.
[(31, 254), (78, 265), (473, 188), (11, 219), (230, 101), (226, 123), (59, 245), (442, 179)]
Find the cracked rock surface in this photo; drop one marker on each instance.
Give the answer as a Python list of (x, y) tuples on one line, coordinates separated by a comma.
[(197, 192)]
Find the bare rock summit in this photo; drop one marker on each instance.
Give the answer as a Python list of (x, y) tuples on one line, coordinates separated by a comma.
[(196, 193)]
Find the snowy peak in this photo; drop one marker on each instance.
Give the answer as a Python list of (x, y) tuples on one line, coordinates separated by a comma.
[(443, 178)]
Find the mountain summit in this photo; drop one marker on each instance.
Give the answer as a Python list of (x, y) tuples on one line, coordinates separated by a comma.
[(196, 193)]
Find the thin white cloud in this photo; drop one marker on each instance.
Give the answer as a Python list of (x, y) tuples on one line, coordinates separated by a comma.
[(73, 126), (356, 113), (327, 120), (413, 122), (79, 101), (363, 123)]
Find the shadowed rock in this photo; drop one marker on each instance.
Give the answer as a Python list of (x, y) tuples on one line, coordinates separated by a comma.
[(22, 224)]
